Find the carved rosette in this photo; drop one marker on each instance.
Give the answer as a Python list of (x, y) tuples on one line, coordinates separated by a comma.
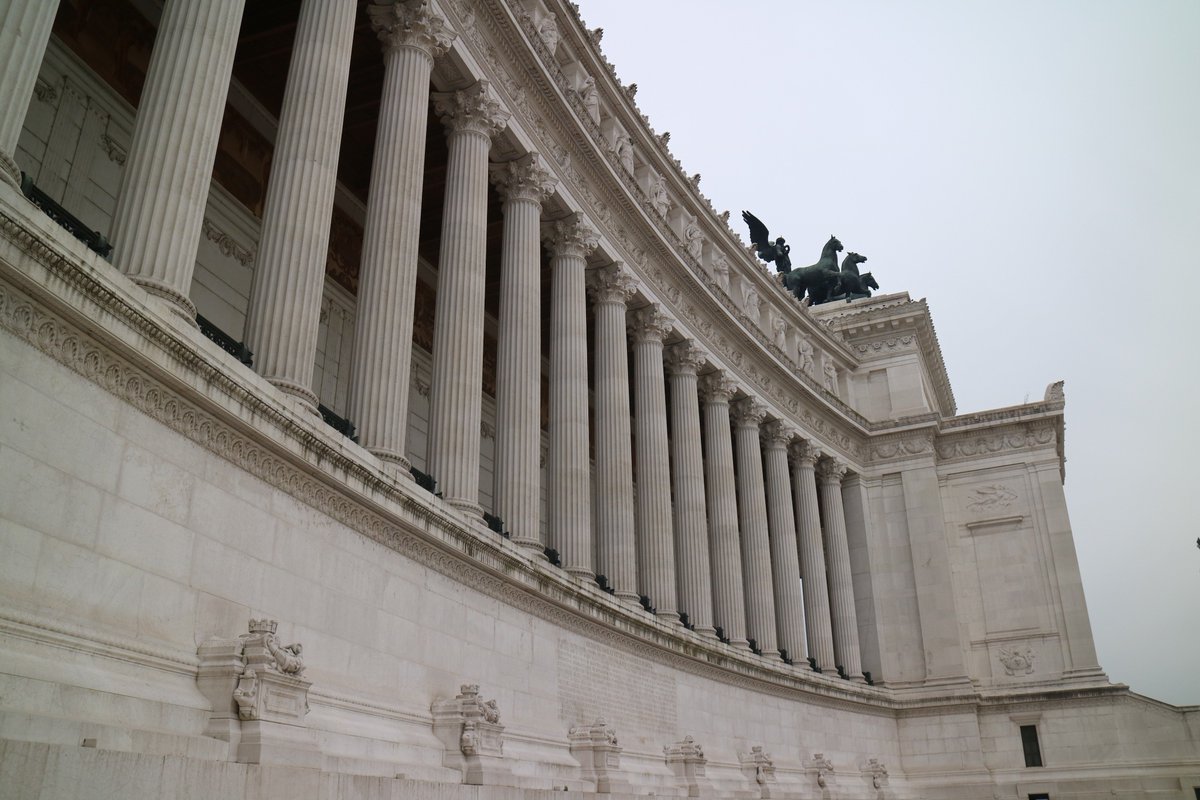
[(524, 179), (475, 109), (649, 324), (611, 284), (777, 434), (571, 236), (684, 358), (717, 387), (804, 453), (830, 470), (747, 413), (410, 23)]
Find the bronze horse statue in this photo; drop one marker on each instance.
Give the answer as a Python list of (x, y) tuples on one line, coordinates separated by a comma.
[(820, 280), (851, 284)]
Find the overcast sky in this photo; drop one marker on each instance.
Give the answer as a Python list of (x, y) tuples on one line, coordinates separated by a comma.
[(1033, 169)]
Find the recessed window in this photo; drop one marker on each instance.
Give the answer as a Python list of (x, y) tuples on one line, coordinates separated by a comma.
[(1033, 750), (1039, 797)]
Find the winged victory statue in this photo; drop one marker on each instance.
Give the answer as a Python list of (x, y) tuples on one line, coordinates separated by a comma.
[(768, 251)]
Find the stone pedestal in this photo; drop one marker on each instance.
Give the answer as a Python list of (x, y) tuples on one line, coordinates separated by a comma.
[(259, 698), (820, 774), (470, 731), (758, 767), (686, 760), (595, 747)]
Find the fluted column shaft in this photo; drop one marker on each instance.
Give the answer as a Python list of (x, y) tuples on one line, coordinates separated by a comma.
[(785, 559), (164, 188), (289, 273), (687, 473), (523, 184), (570, 528), (841, 583), (812, 559), (411, 37), (729, 602), (616, 547), (472, 116), (23, 39), (748, 414), (656, 550)]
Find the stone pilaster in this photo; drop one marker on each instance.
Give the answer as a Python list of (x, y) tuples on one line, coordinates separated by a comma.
[(289, 273), (472, 116), (656, 550), (616, 549), (412, 36), (523, 184), (23, 39), (687, 473), (812, 558), (785, 559), (729, 602), (841, 584), (748, 414), (164, 188), (569, 241)]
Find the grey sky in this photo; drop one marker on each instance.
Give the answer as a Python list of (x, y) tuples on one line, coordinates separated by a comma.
[(1033, 169)]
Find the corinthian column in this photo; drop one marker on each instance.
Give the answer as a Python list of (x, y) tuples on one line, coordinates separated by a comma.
[(164, 188), (687, 472), (841, 584), (616, 549), (785, 560), (569, 241), (729, 602), (412, 36), (748, 414), (812, 558), (289, 273), (523, 185), (473, 116), (23, 39), (656, 551)]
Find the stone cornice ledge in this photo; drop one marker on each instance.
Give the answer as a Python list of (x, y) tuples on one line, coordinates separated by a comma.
[(66, 302)]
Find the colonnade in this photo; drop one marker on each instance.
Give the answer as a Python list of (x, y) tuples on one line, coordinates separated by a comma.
[(697, 502)]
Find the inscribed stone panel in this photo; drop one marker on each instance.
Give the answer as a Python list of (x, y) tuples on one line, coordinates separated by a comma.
[(629, 692)]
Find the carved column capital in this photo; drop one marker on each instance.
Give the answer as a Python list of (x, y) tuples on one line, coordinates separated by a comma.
[(717, 387), (410, 23), (830, 470), (570, 236), (748, 412), (525, 178), (649, 324), (475, 109), (805, 453), (611, 284), (685, 358), (777, 434)]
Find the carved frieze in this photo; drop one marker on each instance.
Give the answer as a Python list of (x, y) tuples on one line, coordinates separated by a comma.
[(990, 499), (1030, 437)]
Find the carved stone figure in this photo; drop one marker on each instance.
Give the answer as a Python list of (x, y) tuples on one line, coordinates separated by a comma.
[(660, 198), (548, 30), (695, 240), (591, 98), (805, 355), (768, 251), (830, 375), (625, 153), (819, 279)]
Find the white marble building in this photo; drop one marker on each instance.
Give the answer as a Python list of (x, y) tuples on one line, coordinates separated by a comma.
[(688, 537)]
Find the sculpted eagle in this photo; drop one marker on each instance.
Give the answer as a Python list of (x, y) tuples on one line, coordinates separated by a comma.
[(768, 251)]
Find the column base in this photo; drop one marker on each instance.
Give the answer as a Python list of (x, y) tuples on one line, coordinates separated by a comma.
[(583, 573), (533, 546), (469, 507), (668, 616), (706, 630), (179, 303), (741, 644), (10, 173), (394, 463), (770, 654), (629, 597), (297, 391)]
